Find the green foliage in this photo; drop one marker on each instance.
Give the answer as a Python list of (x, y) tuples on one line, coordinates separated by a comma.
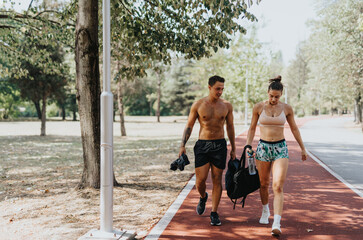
[(32, 44), (179, 92), (246, 58), (53, 110), (147, 34), (143, 34), (297, 77), (45, 77), (147, 31), (9, 100), (137, 103), (327, 71), (29, 111)]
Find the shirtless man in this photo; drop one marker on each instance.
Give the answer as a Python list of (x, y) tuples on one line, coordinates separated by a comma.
[(210, 150)]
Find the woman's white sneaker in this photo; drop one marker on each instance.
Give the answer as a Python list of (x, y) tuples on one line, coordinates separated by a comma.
[(276, 230), (264, 217)]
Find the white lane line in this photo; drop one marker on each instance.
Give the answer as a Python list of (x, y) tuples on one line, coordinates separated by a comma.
[(165, 220), (354, 189)]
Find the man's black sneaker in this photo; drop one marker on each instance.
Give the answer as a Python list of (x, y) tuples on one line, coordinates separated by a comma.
[(201, 204), (214, 219)]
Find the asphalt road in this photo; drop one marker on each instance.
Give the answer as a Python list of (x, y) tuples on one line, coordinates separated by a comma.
[(340, 148)]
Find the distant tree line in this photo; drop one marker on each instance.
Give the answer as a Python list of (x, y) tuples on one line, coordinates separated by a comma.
[(326, 76)]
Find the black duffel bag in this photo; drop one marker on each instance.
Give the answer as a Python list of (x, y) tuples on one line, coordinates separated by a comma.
[(239, 183)]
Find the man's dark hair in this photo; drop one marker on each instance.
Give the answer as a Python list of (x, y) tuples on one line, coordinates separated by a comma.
[(214, 79)]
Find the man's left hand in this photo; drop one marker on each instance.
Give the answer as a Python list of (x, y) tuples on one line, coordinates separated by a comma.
[(233, 154)]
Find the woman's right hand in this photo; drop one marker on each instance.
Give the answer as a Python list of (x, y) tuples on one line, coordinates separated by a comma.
[(248, 150), (304, 155)]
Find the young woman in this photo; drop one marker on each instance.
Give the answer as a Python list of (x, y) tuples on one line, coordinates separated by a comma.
[(272, 154)]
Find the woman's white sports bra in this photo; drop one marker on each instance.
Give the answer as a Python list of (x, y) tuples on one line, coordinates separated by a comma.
[(267, 121)]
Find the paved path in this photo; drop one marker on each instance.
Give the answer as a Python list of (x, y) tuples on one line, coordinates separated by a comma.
[(317, 206), (339, 148)]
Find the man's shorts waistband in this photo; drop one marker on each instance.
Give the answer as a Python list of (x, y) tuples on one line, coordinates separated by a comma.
[(212, 140)]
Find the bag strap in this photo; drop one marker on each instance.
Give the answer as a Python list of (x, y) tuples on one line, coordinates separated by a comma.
[(243, 201), (234, 203), (243, 156)]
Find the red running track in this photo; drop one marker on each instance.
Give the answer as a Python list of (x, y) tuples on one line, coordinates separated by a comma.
[(316, 206)]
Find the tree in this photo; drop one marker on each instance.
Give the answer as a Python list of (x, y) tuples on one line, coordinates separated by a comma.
[(31, 42), (9, 99), (36, 67), (179, 91), (146, 30), (120, 93), (336, 55), (297, 77), (9, 94), (39, 84), (246, 58), (136, 94), (88, 89)]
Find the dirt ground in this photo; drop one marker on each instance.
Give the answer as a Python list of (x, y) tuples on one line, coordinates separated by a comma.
[(39, 175)]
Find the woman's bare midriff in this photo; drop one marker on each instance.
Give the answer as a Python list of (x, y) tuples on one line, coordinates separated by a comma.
[(271, 133)]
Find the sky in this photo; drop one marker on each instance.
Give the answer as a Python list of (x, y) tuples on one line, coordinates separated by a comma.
[(281, 23)]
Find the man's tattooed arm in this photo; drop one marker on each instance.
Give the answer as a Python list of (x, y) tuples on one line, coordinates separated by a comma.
[(186, 135)]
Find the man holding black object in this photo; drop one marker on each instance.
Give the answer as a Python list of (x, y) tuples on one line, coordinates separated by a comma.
[(210, 150), (180, 163)]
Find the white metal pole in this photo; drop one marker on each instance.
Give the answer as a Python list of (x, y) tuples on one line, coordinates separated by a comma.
[(106, 198), (246, 103), (106, 230)]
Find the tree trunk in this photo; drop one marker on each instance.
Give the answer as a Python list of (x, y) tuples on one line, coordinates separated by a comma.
[(114, 114), (74, 115), (63, 112), (7, 111), (121, 107), (74, 108), (358, 106), (158, 99), (355, 111), (151, 107), (88, 90), (37, 107), (359, 113), (43, 116)]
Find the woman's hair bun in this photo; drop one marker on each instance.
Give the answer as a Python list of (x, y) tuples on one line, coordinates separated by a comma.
[(276, 79)]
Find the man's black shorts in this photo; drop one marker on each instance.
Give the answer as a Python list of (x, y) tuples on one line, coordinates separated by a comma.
[(211, 151)]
